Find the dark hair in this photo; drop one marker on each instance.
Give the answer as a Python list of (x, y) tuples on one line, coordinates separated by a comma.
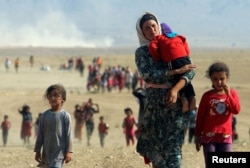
[(128, 109), (147, 17), (25, 107), (217, 67), (58, 87)]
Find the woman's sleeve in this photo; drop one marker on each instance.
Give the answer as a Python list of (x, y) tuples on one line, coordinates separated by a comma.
[(150, 70), (188, 76)]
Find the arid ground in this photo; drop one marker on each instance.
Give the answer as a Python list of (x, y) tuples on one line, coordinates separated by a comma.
[(29, 84)]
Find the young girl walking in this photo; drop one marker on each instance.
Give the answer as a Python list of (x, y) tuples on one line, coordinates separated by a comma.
[(26, 127), (54, 131), (128, 126), (5, 126), (214, 118)]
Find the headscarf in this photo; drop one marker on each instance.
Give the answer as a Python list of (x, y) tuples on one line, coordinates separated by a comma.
[(142, 39)]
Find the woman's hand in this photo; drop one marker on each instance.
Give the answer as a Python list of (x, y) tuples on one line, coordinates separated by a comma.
[(183, 69), (186, 68), (172, 96), (173, 93)]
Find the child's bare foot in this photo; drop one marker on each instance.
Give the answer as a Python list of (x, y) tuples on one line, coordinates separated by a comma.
[(185, 107), (192, 103)]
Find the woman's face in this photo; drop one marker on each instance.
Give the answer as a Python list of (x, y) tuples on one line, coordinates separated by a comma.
[(150, 29)]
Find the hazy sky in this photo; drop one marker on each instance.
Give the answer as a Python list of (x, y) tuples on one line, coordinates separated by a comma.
[(106, 23)]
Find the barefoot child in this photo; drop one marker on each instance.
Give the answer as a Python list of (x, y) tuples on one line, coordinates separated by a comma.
[(54, 131), (5, 126), (214, 118), (128, 126), (103, 130), (26, 127)]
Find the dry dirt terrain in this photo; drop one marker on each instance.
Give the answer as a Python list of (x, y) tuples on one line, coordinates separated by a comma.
[(29, 84)]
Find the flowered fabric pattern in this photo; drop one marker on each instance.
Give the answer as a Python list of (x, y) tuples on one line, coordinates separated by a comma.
[(162, 132)]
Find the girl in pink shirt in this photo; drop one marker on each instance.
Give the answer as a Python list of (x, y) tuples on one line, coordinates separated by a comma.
[(217, 107), (128, 126)]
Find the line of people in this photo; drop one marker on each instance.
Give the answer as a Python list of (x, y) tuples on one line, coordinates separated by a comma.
[(113, 78)]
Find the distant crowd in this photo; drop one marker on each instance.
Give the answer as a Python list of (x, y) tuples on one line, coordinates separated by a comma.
[(115, 77), (99, 79)]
